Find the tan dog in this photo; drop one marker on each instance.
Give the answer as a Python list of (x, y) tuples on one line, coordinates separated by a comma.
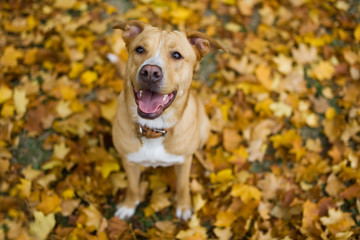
[(159, 121)]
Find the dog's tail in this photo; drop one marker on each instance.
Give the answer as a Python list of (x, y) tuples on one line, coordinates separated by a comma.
[(119, 65)]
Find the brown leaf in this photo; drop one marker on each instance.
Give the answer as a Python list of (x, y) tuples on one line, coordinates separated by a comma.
[(351, 192), (118, 229)]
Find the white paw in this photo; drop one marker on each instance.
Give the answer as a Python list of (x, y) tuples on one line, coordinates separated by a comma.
[(125, 213), (183, 214)]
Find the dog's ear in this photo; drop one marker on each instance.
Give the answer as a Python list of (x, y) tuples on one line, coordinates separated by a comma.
[(202, 43), (130, 29)]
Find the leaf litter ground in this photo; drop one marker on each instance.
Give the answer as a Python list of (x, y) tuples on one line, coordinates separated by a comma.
[(282, 160)]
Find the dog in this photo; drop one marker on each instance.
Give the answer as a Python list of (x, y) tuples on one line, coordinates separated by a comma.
[(159, 120)]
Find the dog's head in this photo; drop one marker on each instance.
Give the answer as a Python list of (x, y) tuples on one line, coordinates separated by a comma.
[(161, 64)]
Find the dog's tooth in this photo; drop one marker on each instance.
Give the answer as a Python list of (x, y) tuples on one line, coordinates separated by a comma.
[(140, 93), (165, 96)]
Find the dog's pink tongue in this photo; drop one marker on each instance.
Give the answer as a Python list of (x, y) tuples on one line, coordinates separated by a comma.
[(149, 102)]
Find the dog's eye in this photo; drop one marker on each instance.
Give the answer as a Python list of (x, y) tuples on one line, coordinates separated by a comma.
[(140, 50), (176, 55)]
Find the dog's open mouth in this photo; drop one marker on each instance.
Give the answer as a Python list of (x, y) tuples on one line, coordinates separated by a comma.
[(152, 104)]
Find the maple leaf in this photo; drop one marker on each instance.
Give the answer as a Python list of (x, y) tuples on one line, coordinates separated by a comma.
[(223, 233), (159, 199), (60, 150), (284, 64), (198, 202), (10, 57), (310, 225), (304, 54), (50, 202), (337, 221), (93, 218), (225, 219), (195, 229), (324, 70), (42, 225), (20, 100), (5, 93), (222, 176), (246, 193), (263, 74)]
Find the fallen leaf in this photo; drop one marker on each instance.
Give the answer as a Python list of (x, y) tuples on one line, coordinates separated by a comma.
[(20, 101), (10, 57), (246, 193), (223, 233), (42, 225), (337, 221)]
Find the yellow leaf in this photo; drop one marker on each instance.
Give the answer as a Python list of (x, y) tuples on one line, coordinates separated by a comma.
[(24, 188), (68, 93), (357, 33), (312, 120), (63, 109), (42, 225), (286, 139), (310, 218), (159, 199), (88, 77), (93, 218), (195, 229), (281, 109), (263, 74), (76, 69), (338, 221), (223, 233), (7, 110), (65, 4), (20, 100), (180, 15), (330, 113), (68, 206), (222, 176), (31, 22), (49, 203), (234, 27), (48, 65), (231, 139), (108, 167), (68, 193), (10, 57), (225, 219), (118, 181), (30, 173), (246, 192), (77, 106), (323, 71), (60, 150), (284, 64), (4, 166), (304, 54), (108, 110), (5, 93), (199, 202)]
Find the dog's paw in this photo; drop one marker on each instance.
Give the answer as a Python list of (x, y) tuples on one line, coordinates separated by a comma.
[(125, 213), (183, 214)]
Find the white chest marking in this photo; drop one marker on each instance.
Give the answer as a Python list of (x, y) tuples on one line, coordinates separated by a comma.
[(153, 154)]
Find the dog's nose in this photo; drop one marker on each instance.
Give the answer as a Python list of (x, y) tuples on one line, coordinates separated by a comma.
[(151, 74)]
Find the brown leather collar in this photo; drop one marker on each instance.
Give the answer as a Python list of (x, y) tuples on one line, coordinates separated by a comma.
[(144, 131)]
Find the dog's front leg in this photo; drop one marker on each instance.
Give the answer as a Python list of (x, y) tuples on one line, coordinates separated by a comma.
[(183, 205), (126, 209)]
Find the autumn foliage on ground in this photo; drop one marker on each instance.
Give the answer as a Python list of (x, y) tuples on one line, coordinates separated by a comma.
[(282, 160)]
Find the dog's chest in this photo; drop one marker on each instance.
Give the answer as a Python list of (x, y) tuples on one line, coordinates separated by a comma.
[(153, 154)]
